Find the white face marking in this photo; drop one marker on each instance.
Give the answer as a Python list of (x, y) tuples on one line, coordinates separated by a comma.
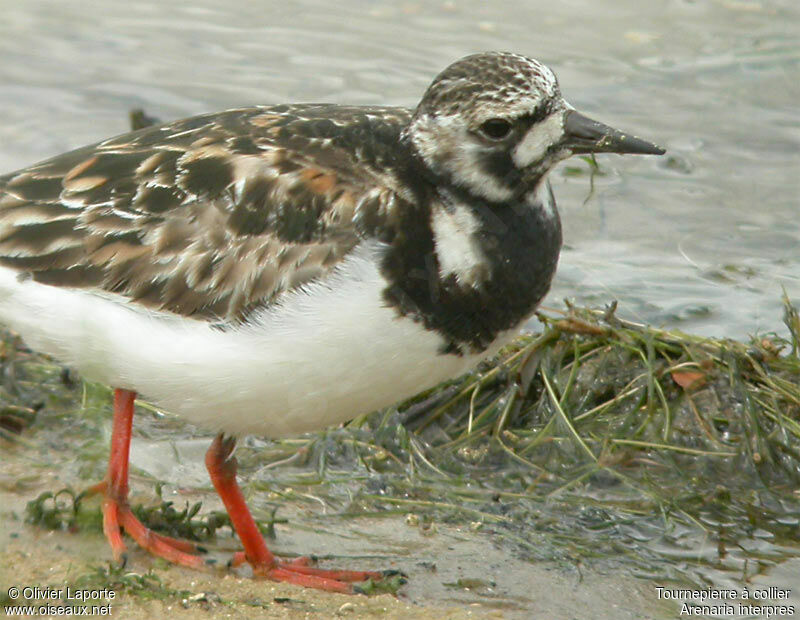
[(457, 249), (445, 143), (539, 138), (466, 172)]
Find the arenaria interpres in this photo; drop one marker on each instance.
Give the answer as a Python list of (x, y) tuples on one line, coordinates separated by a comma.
[(282, 268)]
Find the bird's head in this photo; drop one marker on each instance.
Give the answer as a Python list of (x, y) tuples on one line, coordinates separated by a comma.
[(494, 124)]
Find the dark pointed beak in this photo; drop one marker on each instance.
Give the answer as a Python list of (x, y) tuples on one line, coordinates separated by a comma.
[(583, 135)]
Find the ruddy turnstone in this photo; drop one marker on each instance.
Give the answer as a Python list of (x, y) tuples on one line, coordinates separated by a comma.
[(282, 268)]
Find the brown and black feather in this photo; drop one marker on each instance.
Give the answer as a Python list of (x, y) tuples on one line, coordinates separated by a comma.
[(211, 216), (217, 216)]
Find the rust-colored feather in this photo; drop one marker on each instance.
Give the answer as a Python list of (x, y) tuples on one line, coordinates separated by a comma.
[(211, 216)]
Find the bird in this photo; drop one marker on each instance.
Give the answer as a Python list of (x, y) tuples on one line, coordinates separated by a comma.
[(278, 269)]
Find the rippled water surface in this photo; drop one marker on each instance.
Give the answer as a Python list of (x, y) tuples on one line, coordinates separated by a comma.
[(704, 238)]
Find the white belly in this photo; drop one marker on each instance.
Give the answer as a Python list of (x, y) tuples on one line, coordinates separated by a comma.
[(327, 353)]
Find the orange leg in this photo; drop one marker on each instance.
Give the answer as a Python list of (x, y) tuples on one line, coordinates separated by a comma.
[(221, 466), (116, 511), (117, 516)]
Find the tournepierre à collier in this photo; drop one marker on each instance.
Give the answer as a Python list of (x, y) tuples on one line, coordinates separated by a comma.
[(282, 268)]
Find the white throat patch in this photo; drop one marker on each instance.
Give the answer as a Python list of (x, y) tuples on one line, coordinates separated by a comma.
[(542, 198), (457, 249)]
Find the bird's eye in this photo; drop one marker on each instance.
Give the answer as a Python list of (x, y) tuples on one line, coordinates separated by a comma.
[(496, 128)]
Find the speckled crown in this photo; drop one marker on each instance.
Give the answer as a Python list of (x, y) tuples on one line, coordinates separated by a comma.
[(488, 78)]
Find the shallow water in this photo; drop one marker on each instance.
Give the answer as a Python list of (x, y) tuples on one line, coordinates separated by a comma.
[(704, 238)]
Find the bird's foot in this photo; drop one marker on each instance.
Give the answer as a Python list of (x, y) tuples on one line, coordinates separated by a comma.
[(118, 516), (300, 572)]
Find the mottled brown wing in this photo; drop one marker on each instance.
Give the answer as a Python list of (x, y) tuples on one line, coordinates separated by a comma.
[(209, 216)]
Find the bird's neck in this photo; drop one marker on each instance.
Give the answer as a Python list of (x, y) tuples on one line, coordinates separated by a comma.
[(471, 268)]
